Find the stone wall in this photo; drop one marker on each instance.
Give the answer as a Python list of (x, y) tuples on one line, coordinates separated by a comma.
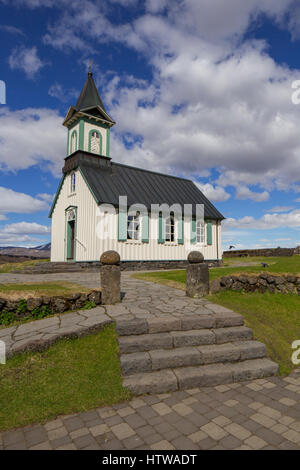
[(35, 308), (265, 282), (259, 252), (94, 266)]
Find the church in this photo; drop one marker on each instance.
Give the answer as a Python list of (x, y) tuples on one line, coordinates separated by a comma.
[(102, 205)]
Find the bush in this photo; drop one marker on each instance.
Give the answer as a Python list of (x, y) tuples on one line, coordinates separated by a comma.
[(6, 318)]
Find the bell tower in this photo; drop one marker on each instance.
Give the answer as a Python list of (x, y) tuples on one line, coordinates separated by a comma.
[(88, 123)]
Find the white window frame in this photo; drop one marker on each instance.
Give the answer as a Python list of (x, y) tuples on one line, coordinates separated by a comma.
[(73, 182), (170, 229), (134, 227), (200, 234), (97, 142)]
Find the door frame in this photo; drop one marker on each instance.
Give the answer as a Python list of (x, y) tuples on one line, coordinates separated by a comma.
[(68, 233)]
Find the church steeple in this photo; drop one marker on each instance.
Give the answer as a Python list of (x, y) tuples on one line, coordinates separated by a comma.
[(88, 122)]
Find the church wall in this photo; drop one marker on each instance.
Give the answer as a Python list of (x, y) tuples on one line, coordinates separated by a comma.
[(89, 247)]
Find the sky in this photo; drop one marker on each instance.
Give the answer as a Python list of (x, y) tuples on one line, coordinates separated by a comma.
[(201, 89)]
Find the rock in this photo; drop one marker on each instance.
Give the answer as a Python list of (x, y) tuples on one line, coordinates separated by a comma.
[(279, 280), (33, 303), (11, 305), (195, 257), (214, 286), (59, 304), (2, 304), (95, 296), (110, 257)]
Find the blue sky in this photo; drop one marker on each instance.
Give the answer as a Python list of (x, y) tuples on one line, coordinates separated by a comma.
[(198, 88)]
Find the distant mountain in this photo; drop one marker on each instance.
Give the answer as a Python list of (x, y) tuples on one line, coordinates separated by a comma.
[(41, 251)]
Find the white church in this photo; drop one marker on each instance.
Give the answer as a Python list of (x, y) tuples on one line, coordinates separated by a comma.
[(87, 218)]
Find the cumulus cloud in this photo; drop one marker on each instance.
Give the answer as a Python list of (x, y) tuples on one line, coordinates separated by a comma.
[(25, 228), (26, 59), (31, 136), (213, 193), (243, 192), (19, 203), (267, 222)]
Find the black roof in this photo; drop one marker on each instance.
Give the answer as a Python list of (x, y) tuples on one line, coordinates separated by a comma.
[(89, 96), (143, 187)]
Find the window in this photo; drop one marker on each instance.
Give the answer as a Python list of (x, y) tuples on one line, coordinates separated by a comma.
[(74, 142), (200, 232), (170, 229), (73, 182), (133, 227), (95, 142)]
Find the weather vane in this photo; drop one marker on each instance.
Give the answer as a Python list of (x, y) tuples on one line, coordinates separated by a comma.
[(90, 66)]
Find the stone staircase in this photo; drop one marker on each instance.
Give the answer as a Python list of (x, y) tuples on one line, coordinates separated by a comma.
[(165, 354)]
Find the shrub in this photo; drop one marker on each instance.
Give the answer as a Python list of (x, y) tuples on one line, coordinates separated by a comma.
[(6, 318), (89, 304)]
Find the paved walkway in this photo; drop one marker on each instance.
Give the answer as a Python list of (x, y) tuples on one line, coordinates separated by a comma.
[(141, 300), (262, 414)]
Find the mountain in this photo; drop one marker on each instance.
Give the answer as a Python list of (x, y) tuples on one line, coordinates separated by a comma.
[(41, 251)]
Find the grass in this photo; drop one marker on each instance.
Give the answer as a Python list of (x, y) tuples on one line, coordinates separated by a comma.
[(9, 267), (274, 318), (71, 376), (17, 291)]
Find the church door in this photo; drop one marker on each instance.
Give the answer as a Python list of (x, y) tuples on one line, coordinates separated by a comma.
[(71, 234)]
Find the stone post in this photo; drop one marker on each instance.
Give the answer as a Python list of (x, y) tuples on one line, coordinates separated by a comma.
[(110, 274), (197, 275)]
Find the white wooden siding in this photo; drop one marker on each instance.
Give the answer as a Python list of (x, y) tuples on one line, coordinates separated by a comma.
[(89, 247)]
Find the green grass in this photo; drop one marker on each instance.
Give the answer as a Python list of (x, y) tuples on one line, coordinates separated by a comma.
[(39, 289), (9, 267), (274, 319), (71, 376), (177, 278)]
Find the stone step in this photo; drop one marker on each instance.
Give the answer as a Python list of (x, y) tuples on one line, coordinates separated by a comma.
[(191, 356), (181, 378), (200, 320), (179, 339)]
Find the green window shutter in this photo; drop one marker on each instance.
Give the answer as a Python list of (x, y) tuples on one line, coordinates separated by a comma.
[(122, 226), (209, 233), (145, 228), (181, 232), (160, 230), (81, 134), (193, 232)]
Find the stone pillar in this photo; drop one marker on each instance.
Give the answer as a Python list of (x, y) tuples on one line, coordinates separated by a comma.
[(197, 275), (110, 273)]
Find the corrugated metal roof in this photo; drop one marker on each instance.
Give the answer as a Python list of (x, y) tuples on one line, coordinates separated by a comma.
[(144, 187)]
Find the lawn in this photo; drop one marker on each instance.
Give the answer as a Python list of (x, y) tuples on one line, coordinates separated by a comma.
[(274, 318), (9, 267), (17, 291), (71, 376)]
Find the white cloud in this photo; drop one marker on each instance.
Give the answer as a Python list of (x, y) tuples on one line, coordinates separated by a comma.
[(11, 29), (57, 91), (267, 222), (25, 228), (243, 192), (213, 193), (19, 203), (235, 111), (46, 197), (280, 209), (26, 59), (31, 136)]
